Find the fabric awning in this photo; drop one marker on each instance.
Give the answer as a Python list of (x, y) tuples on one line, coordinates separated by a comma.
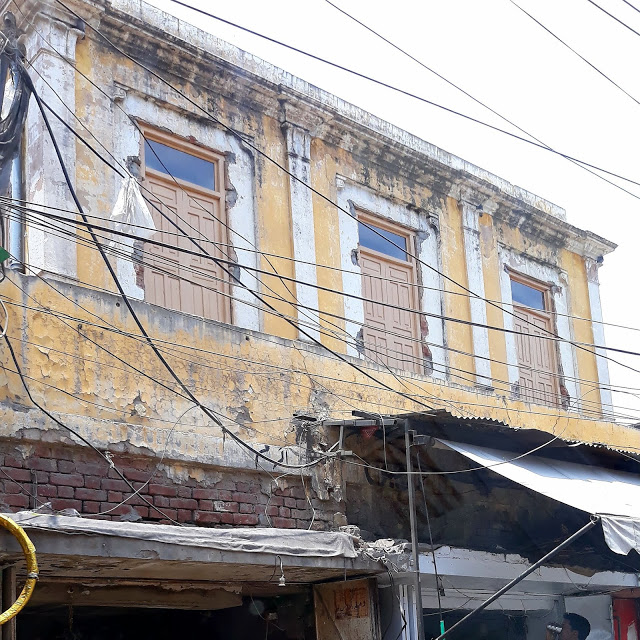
[(612, 495)]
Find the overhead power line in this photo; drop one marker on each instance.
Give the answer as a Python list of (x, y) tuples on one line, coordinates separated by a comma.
[(466, 93), (624, 24), (604, 75), (386, 85), (292, 175)]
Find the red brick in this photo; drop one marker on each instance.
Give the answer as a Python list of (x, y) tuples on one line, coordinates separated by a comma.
[(185, 515), (205, 494), (226, 518), (227, 485), (14, 488), (245, 497), (67, 479), (277, 501), (10, 461), (271, 510), (302, 524), (90, 507), (206, 518), (298, 492), (99, 495), (91, 468), (42, 477), (143, 512), (65, 492), (20, 475), (114, 485), (225, 495), (205, 505), (43, 464), (47, 491), (290, 502), (20, 500), (183, 503), (282, 492), (226, 507), (162, 490), (114, 496), (164, 513), (242, 486), (184, 492), (64, 466), (137, 476), (283, 523), (245, 519), (161, 501), (285, 512), (58, 504), (301, 513), (302, 504), (92, 482), (245, 507)]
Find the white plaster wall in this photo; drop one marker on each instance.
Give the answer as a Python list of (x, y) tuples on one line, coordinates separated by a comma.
[(478, 306), (352, 196), (561, 296), (598, 336), (240, 168), (304, 242), (44, 180)]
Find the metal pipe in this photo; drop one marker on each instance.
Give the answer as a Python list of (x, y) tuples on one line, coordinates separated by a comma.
[(414, 534), (16, 227), (523, 575)]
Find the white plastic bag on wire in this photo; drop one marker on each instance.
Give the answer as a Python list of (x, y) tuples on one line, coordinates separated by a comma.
[(131, 214)]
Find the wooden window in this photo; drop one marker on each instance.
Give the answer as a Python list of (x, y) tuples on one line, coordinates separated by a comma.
[(537, 358), (388, 276), (187, 185)]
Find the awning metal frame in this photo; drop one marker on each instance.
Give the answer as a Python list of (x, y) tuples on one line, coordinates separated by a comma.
[(587, 527)]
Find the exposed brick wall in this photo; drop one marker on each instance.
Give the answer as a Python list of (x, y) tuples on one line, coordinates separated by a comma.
[(70, 478)]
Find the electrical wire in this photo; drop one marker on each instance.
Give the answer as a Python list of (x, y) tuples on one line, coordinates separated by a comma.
[(539, 145), (497, 381), (561, 41), (293, 176), (624, 24), (466, 93)]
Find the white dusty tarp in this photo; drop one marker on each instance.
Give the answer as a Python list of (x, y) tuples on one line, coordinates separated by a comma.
[(284, 542), (612, 495)]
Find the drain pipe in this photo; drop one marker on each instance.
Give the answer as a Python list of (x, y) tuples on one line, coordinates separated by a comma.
[(417, 592)]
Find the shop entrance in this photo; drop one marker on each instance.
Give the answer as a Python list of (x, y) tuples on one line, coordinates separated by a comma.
[(278, 618)]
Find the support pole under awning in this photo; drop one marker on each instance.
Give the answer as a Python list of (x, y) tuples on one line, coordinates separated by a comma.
[(522, 576)]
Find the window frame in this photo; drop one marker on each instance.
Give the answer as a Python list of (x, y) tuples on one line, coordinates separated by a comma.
[(219, 193), (181, 144)]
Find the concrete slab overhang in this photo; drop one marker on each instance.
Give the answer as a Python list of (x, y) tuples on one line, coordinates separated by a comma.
[(468, 577), (115, 553)]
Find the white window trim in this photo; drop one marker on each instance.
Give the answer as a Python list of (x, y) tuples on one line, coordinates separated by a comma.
[(241, 217), (510, 259), (352, 196)]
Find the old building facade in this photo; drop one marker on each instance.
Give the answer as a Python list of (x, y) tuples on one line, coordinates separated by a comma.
[(351, 266)]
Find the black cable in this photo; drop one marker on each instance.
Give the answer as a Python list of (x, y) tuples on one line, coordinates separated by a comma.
[(624, 24), (466, 93), (209, 413), (433, 549), (604, 75), (329, 289), (382, 84), (76, 434), (630, 5), (301, 181)]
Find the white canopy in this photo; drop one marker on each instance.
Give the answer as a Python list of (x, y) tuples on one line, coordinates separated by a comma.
[(612, 495)]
